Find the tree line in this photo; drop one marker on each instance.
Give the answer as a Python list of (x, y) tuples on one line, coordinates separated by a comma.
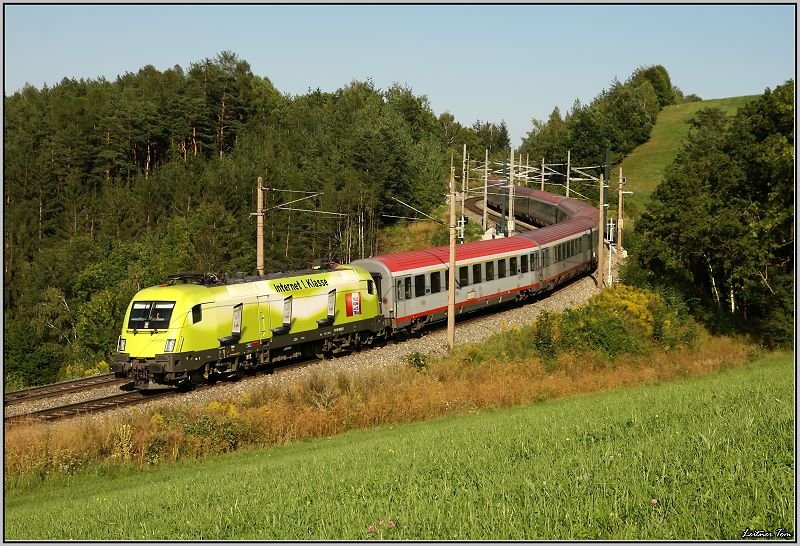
[(719, 229), (619, 119), (111, 185)]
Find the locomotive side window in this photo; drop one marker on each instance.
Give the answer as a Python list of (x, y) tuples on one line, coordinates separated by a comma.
[(463, 276), (489, 271), (436, 282), (523, 262), (535, 260), (408, 287), (501, 268), (419, 285), (197, 314), (399, 290), (370, 287), (476, 273), (512, 269)]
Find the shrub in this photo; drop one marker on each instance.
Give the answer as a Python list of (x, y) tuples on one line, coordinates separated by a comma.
[(418, 361)]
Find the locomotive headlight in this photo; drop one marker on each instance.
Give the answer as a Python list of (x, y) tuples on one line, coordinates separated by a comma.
[(169, 346), (121, 344)]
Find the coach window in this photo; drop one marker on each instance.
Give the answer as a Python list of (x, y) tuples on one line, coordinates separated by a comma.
[(419, 286), (523, 263), (463, 276), (489, 271), (545, 257), (436, 282), (447, 279), (512, 268), (501, 268), (476, 273)]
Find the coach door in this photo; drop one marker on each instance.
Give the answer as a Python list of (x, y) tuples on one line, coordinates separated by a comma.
[(377, 278), (402, 295)]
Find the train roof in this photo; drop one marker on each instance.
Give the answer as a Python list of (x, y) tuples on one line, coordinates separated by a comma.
[(582, 217), (573, 207), (440, 255), (556, 232)]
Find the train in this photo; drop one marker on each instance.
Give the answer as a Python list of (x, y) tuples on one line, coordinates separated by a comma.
[(196, 327)]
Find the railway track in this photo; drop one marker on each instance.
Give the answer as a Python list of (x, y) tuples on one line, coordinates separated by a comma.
[(89, 406), (136, 397), (58, 389), (117, 401)]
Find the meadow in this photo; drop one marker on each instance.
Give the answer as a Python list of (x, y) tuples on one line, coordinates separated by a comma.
[(694, 458), (644, 167)]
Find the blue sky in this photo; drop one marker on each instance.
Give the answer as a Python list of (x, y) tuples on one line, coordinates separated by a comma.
[(493, 63)]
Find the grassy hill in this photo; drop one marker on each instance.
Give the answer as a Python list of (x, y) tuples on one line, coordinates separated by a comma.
[(699, 458), (644, 167)]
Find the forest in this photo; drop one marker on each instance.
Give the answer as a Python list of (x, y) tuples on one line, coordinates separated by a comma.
[(110, 186)]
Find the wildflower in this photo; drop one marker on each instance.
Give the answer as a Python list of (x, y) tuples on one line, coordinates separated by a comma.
[(391, 525), (371, 529), (653, 501), (381, 523)]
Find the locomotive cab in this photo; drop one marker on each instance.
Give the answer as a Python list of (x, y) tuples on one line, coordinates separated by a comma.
[(153, 333)]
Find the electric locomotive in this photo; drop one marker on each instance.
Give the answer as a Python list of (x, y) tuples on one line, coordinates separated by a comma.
[(195, 327)]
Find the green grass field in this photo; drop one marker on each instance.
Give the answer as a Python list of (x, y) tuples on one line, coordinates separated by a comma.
[(644, 167), (693, 459)]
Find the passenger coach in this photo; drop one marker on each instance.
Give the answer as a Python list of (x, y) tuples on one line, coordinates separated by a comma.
[(413, 285)]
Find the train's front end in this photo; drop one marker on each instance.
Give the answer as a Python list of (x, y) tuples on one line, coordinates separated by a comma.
[(150, 345)]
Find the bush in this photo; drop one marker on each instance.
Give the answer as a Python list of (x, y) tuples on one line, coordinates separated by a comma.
[(418, 361)]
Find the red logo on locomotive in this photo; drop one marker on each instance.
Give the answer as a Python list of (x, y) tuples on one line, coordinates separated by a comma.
[(353, 302)]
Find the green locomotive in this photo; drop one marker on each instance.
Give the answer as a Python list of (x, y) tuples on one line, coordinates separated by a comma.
[(195, 327)]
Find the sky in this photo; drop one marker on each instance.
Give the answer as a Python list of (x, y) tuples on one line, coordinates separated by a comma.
[(511, 63)]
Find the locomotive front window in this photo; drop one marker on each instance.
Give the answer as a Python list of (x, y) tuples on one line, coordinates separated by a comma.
[(150, 315)]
